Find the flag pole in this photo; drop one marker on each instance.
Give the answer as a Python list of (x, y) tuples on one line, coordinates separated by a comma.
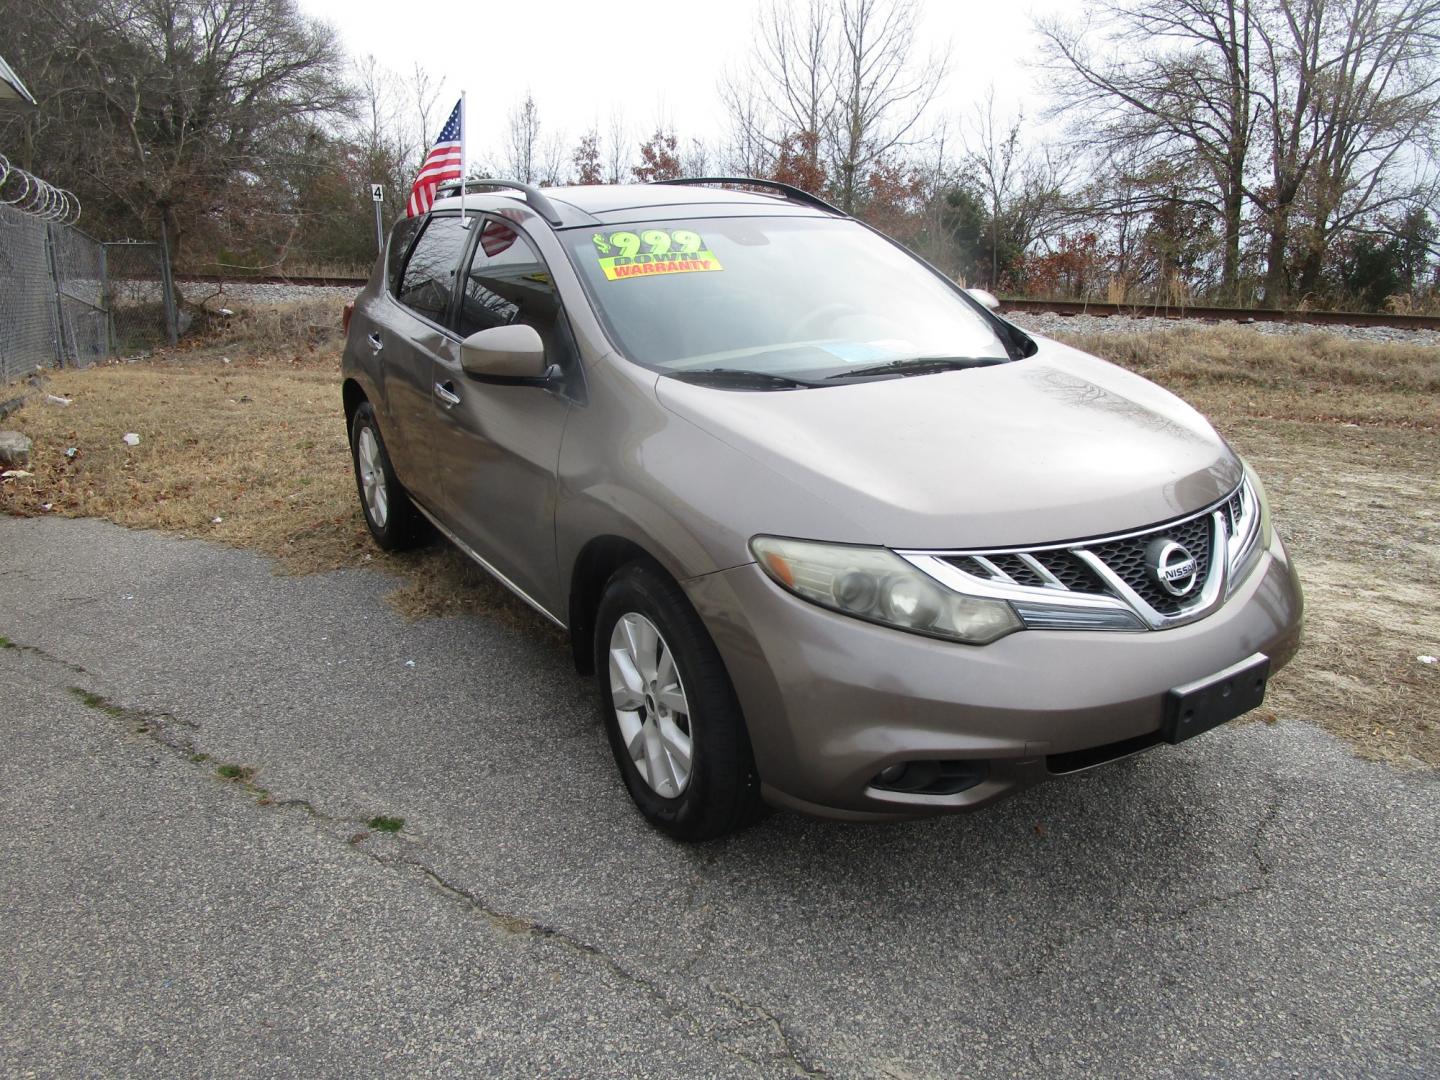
[(463, 223)]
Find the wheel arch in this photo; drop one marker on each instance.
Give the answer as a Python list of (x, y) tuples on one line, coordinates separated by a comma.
[(594, 566), (353, 395)]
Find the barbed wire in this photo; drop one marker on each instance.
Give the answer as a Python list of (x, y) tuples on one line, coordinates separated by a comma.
[(29, 194)]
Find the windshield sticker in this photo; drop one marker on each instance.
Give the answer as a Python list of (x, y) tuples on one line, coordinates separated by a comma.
[(654, 251), (865, 352)]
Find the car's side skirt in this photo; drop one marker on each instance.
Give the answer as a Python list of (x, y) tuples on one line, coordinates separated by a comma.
[(496, 574)]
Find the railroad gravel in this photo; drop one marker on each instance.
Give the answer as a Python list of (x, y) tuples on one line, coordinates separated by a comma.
[(1052, 324), (263, 293)]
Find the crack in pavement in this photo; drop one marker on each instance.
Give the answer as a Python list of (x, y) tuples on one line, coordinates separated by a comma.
[(652, 989), (1049, 953), (157, 727), (777, 1025)]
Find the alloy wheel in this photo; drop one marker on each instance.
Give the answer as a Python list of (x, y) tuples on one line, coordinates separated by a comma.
[(650, 705), (372, 477)]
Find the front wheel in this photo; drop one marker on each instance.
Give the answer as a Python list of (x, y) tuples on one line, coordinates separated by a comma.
[(673, 720)]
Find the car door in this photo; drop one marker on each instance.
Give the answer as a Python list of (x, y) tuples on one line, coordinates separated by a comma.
[(410, 336), (499, 444)]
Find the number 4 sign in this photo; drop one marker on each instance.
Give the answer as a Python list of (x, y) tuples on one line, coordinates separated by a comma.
[(377, 192)]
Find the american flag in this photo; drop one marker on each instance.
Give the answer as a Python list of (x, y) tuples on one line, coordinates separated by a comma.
[(444, 162), (495, 238)]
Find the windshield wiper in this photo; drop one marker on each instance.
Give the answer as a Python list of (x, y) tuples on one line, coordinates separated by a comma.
[(739, 378), (921, 365)]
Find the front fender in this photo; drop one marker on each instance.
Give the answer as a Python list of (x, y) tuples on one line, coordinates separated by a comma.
[(630, 468)]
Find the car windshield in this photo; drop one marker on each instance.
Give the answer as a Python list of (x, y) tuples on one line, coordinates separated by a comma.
[(805, 299)]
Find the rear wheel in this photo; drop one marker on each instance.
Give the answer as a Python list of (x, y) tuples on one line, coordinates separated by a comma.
[(673, 720), (391, 516)]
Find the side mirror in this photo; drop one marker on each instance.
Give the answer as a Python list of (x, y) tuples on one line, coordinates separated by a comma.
[(504, 353), (987, 300)]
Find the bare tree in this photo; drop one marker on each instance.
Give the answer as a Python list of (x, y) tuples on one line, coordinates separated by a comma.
[(1322, 115), (425, 90), (1175, 78), (749, 151), (522, 148), (787, 89), (1022, 186), (935, 172), (386, 141), (1352, 102), (831, 89), (695, 160), (617, 149), (881, 93), (552, 168)]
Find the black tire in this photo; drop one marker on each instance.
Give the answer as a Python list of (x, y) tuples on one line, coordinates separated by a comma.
[(403, 526), (723, 792)]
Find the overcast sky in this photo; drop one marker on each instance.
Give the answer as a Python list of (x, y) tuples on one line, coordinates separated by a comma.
[(656, 60)]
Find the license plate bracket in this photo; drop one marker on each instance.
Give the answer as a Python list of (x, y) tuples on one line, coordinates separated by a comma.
[(1207, 703)]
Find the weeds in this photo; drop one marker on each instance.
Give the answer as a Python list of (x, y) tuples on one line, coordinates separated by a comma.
[(98, 702), (243, 776)]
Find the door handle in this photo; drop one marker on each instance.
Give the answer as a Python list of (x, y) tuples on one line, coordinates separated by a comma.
[(375, 343), (446, 393)]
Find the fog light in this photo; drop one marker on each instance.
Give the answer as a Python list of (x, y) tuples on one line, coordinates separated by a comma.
[(930, 777), (890, 775)]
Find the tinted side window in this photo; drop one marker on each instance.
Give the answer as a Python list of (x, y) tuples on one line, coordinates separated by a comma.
[(507, 282), (400, 237), (430, 272)]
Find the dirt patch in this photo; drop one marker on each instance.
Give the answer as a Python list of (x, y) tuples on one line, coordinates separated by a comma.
[(1346, 435)]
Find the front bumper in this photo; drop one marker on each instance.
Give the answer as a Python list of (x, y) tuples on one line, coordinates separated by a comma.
[(831, 700)]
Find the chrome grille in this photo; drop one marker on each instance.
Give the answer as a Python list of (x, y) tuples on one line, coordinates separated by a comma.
[(1108, 583), (1065, 570), (1018, 569), (1127, 559)]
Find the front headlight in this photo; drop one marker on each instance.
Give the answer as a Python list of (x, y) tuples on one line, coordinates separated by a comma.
[(879, 586), (1247, 524)]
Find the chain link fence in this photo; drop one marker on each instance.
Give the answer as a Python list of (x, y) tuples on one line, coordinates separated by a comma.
[(140, 296), (68, 300), (77, 266), (27, 295)]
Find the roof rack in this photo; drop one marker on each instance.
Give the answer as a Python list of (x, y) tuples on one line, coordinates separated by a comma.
[(791, 192), (533, 195)]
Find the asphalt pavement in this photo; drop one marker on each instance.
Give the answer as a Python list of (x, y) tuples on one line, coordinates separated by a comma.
[(1255, 903)]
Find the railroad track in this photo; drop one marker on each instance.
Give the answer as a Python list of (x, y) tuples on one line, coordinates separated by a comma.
[(1059, 307), (1227, 314)]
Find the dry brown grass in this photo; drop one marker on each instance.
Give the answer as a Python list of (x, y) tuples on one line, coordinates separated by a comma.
[(246, 429), (1230, 370), (1346, 435)]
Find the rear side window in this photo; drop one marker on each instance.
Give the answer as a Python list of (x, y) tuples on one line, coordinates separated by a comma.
[(400, 237), (430, 270)]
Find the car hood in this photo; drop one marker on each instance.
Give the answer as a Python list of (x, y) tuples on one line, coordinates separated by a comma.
[(1054, 447)]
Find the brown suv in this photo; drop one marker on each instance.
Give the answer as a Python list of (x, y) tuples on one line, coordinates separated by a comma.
[(830, 532)]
